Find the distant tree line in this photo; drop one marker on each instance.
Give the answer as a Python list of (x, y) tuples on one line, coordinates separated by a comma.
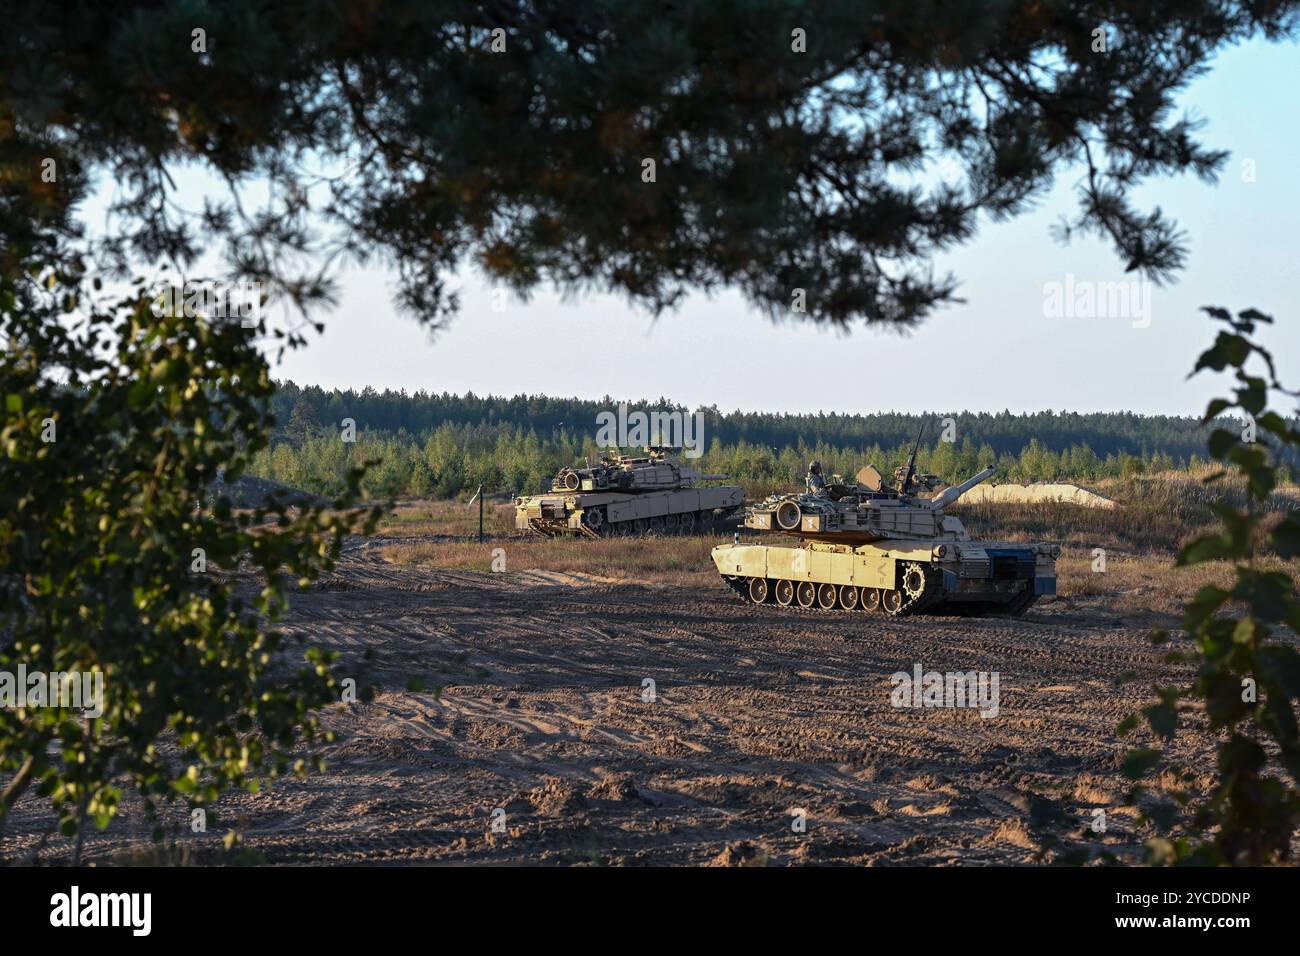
[(1106, 433), (431, 445)]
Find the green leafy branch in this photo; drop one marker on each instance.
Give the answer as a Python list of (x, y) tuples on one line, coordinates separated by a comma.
[(1246, 680), (117, 423)]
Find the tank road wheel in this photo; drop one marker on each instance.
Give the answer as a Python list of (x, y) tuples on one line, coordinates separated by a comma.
[(784, 593), (892, 601), (871, 600), (826, 597), (788, 516), (806, 593), (672, 523), (848, 597), (706, 522), (639, 526), (656, 526), (688, 523), (758, 590)]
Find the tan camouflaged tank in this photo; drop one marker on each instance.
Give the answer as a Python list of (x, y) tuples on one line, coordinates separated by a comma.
[(867, 547), (628, 496)]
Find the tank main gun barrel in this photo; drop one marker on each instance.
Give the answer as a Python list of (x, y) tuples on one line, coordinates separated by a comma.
[(949, 495)]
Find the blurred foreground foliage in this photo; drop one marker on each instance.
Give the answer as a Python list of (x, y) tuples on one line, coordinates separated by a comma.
[(117, 561), (819, 154), (1247, 681)]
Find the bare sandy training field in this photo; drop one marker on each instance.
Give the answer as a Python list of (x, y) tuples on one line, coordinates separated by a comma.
[(520, 698)]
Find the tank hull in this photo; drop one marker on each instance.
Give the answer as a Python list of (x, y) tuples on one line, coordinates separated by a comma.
[(895, 577), (605, 514)]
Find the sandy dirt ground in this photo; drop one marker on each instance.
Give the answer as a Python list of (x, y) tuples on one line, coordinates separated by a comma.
[(520, 700)]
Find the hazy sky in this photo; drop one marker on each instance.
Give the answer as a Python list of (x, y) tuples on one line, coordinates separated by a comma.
[(996, 351)]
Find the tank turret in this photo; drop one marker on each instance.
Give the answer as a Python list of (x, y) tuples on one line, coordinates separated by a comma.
[(858, 513), (655, 472)]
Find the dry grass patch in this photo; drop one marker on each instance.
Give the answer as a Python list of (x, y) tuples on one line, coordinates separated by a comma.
[(1134, 584), (416, 518), (679, 561)]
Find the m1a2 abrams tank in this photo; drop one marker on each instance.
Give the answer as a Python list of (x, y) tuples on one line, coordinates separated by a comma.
[(870, 547), (629, 496)]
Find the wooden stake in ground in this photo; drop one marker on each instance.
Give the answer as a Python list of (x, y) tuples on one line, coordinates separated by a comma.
[(479, 495)]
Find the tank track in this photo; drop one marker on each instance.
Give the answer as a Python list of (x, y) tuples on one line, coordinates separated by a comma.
[(1017, 606), (931, 597), (705, 523)]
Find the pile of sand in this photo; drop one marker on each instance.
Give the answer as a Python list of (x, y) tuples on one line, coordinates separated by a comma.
[(248, 491), (1045, 491)]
